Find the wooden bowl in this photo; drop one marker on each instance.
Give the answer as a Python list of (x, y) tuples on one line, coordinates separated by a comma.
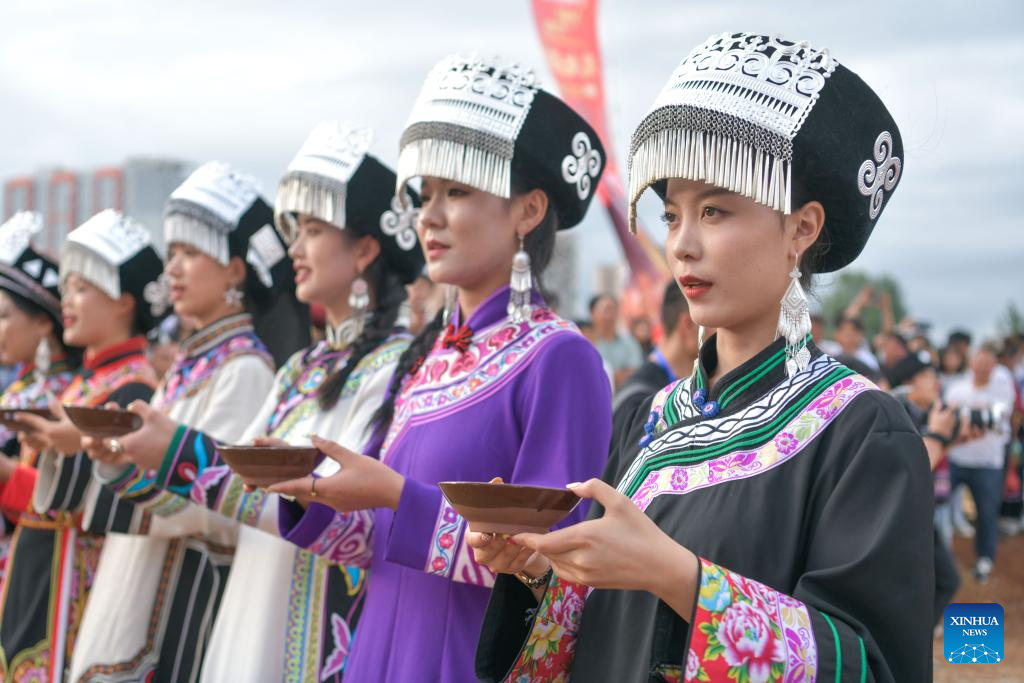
[(103, 423), (509, 508), (261, 466), (7, 417)]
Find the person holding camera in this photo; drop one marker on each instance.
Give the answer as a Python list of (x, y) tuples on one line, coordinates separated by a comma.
[(916, 386), (976, 458)]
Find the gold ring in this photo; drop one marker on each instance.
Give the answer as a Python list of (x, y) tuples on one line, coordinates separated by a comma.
[(312, 488), (115, 446)]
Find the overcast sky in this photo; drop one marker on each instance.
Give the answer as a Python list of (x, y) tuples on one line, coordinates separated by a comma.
[(88, 84)]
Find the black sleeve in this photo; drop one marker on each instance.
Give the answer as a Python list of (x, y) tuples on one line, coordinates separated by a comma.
[(127, 393)]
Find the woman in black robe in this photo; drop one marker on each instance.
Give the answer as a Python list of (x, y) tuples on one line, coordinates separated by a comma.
[(771, 516)]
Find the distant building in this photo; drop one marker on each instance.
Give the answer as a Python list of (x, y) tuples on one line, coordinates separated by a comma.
[(67, 198)]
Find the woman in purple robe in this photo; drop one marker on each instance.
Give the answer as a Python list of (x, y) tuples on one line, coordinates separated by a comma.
[(496, 386)]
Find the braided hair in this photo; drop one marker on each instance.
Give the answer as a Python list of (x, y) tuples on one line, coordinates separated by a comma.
[(390, 293), (539, 244)]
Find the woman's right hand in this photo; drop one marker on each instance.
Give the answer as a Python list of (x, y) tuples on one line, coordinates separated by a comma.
[(145, 447)]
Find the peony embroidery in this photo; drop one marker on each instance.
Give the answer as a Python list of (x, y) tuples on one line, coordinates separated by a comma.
[(749, 642), (745, 631)]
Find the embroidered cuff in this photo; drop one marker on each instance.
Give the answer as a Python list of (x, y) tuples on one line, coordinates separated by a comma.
[(415, 531), (744, 630), (551, 644)]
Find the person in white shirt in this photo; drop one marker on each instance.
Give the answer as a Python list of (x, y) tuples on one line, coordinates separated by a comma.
[(976, 460)]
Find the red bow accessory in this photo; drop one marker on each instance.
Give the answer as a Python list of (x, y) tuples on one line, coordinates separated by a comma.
[(459, 339)]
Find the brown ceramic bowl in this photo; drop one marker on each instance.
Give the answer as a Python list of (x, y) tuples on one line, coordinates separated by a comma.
[(7, 417), (509, 508), (261, 466), (103, 423)]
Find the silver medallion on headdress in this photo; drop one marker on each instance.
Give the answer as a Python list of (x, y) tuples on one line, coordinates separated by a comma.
[(206, 208), (728, 116), (465, 123)]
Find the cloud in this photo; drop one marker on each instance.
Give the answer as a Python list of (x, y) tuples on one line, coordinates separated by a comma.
[(88, 84)]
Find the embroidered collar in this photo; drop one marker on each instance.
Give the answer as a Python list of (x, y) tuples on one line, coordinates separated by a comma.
[(136, 346), (741, 385), (215, 333), (342, 335)]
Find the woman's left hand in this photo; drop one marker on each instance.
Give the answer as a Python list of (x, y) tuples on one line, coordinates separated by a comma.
[(623, 550), (59, 435), (361, 483)]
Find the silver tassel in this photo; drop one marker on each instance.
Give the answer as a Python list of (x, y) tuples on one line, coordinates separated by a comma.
[(359, 302), (521, 289), (795, 325), (451, 300)]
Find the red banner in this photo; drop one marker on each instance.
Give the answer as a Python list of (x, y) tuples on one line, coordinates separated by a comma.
[(568, 33)]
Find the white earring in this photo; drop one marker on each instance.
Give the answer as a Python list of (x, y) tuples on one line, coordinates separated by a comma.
[(521, 286), (359, 302), (234, 296), (42, 359), (795, 324)]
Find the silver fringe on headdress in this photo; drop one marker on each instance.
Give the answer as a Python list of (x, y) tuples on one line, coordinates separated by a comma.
[(728, 117), (188, 223), (310, 194), (91, 267)]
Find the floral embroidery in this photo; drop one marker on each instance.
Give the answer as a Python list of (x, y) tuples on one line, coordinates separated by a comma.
[(189, 375), (447, 533), (450, 378), (33, 391), (828, 404), (786, 443), (341, 638), (547, 655), (744, 631), (790, 441), (208, 479)]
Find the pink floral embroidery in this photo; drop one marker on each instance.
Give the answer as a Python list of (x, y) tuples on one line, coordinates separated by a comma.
[(209, 478), (341, 638), (447, 532), (679, 479), (744, 630), (829, 402), (733, 464), (786, 443), (749, 641), (692, 666), (464, 363)]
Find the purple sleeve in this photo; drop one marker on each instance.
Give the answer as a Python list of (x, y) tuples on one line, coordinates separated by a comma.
[(564, 408)]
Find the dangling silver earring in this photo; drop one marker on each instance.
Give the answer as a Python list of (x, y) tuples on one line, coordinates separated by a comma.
[(700, 346), (234, 296), (451, 300), (521, 287), (795, 323), (359, 302), (42, 359)]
